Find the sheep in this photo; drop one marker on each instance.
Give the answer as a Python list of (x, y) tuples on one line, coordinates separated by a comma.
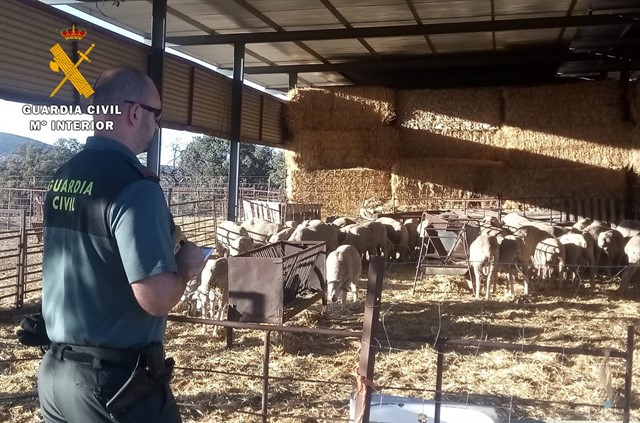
[(398, 234), (531, 236), (484, 254), (357, 236), (628, 227), (632, 251), (378, 238), (341, 222), (578, 251), (413, 237), (610, 248), (283, 235), (549, 259), (232, 239), (316, 230), (209, 292), (179, 238), (259, 230), (343, 268), (509, 258)]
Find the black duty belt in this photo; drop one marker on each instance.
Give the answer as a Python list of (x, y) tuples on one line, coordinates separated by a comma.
[(95, 355)]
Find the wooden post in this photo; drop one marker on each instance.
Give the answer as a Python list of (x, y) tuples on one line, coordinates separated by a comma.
[(627, 378), (439, 371), (369, 330), (265, 375)]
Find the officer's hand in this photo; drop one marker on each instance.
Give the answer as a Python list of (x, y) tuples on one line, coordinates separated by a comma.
[(190, 261), (32, 331)]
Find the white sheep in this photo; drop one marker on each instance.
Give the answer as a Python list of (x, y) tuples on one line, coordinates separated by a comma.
[(484, 255), (343, 266), (208, 294)]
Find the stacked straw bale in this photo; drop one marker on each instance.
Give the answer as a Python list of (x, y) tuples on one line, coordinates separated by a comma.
[(341, 192), (449, 123), (375, 148), (447, 178), (339, 108), (569, 125), (342, 147)]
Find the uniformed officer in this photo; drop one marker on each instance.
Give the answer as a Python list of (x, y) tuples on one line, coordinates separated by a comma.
[(110, 275)]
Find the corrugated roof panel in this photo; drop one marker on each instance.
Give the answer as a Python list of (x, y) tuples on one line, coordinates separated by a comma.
[(219, 15), (283, 52), (452, 10), (310, 18), (459, 43), (176, 91), (539, 7), (400, 45), (527, 38), (338, 49), (212, 103), (370, 15)]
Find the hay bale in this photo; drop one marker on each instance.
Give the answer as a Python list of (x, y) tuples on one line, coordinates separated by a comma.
[(442, 178), (568, 106), (341, 192), (536, 148), (339, 108), (583, 182), (475, 145), (374, 148), (457, 113)]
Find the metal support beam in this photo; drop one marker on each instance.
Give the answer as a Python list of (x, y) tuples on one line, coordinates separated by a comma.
[(236, 124), (408, 30), (293, 80), (156, 69), (440, 62)]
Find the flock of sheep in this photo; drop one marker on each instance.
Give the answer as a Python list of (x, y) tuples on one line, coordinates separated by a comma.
[(543, 253), (347, 244), (538, 251)]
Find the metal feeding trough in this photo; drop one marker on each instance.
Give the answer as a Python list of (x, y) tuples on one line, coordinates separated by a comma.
[(273, 283)]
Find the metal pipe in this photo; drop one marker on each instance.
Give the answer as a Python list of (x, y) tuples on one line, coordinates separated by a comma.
[(439, 371), (261, 326), (627, 377), (236, 126), (265, 375), (156, 70)]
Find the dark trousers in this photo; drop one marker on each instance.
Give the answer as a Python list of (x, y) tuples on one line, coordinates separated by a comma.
[(74, 392)]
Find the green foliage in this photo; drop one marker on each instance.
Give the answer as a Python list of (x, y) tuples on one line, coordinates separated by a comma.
[(32, 165), (206, 159)]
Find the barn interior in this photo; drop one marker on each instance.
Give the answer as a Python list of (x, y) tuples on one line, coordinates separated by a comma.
[(524, 101), (390, 105)]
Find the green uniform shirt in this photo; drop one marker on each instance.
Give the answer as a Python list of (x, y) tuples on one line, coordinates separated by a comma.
[(106, 226)]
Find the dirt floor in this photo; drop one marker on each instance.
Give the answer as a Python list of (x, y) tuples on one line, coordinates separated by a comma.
[(313, 376)]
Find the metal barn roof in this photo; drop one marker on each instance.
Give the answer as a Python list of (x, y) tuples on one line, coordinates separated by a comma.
[(397, 43)]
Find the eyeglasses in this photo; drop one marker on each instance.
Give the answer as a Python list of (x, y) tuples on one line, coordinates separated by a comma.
[(157, 113)]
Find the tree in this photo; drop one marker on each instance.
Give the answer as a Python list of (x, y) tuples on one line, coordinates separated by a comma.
[(33, 165), (206, 160)]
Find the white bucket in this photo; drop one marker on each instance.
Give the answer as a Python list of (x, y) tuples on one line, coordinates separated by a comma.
[(391, 409)]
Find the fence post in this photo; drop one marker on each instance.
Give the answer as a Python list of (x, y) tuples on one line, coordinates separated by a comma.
[(439, 371), (627, 378), (265, 376), (22, 259), (369, 330)]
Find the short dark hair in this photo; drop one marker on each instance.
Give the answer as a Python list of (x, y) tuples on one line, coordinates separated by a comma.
[(115, 85)]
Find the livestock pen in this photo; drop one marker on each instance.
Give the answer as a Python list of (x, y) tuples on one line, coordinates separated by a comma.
[(311, 372)]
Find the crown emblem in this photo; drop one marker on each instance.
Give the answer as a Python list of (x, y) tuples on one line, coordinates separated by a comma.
[(73, 33)]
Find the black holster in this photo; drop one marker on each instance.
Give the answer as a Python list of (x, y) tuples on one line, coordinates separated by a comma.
[(151, 372)]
